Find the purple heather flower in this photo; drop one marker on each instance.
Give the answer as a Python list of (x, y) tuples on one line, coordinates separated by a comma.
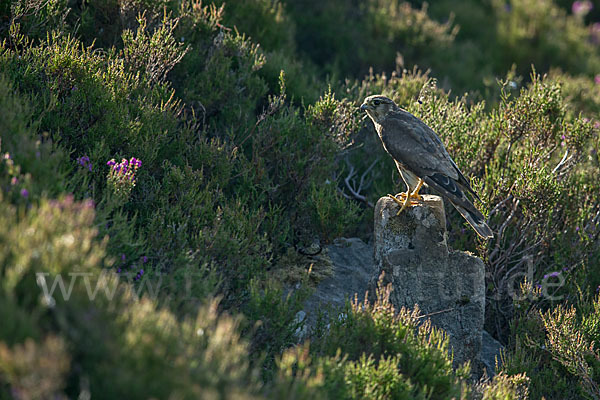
[(142, 272), (111, 162), (554, 274), (90, 167), (546, 276), (565, 269), (144, 259), (81, 161), (122, 257), (119, 270), (563, 137), (577, 229), (582, 7), (538, 286), (24, 193)]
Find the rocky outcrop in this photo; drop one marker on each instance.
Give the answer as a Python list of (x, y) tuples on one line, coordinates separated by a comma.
[(352, 267), (447, 285), (411, 250), (491, 353)]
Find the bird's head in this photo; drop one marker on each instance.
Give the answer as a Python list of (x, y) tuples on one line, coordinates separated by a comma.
[(378, 106)]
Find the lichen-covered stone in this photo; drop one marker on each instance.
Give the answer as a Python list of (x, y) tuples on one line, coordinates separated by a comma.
[(447, 285)]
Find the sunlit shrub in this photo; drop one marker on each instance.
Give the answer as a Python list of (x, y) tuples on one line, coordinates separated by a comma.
[(35, 370), (540, 33)]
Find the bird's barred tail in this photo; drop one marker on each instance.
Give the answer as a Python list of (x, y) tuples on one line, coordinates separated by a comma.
[(476, 221)]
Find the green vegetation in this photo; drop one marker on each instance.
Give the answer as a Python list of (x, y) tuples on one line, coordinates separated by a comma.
[(160, 162)]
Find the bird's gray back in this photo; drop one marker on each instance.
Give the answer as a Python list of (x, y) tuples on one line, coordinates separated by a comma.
[(411, 142)]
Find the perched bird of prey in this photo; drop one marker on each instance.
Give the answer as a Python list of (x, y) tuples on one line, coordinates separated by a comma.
[(421, 159)]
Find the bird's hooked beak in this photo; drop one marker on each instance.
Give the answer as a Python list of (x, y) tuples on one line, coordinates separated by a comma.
[(364, 107)]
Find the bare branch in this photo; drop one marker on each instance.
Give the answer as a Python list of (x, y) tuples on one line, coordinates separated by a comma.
[(562, 164), (350, 183)]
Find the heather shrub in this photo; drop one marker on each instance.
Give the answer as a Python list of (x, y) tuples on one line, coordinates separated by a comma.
[(302, 81), (487, 37), (31, 19), (332, 215), (153, 55), (219, 78), (99, 332), (350, 37), (582, 92), (103, 22), (575, 345), (264, 21), (277, 327), (200, 217), (503, 387), (35, 370), (564, 339), (541, 33), (31, 165)]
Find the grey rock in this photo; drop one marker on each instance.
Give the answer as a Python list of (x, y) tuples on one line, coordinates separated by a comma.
[(491, 352), (448, 286), (302, 330), (352, 266)]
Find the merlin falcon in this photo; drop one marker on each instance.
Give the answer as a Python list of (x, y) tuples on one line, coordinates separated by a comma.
[(421, 159)]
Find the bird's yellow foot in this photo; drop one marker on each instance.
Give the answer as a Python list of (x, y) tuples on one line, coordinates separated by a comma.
[(406, 200), (399, 201), (416, 198)]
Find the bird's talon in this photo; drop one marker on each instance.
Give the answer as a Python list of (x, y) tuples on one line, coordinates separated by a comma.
[(398, 201), (406, 200)]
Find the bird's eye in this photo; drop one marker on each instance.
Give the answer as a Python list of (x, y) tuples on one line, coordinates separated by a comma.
[(377, 102)]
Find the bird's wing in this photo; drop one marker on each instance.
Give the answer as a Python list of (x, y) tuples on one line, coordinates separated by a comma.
[(416, 146), (420, 150)]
